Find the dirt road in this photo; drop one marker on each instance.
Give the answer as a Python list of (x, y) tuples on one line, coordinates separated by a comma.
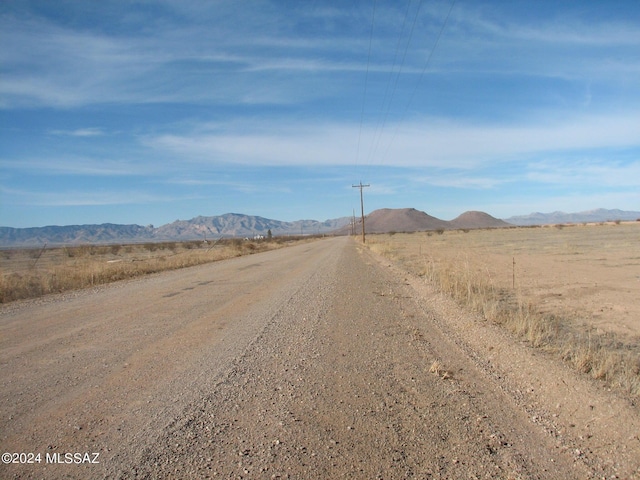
[(314, 361)]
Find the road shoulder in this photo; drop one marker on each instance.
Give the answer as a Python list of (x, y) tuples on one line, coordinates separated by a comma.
[(595, 426)]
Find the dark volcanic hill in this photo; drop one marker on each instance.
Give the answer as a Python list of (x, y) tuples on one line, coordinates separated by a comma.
[(388, 220), (401, 220), (475, 219)]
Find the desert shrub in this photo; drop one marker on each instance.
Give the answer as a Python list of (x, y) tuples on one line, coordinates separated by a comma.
[(16, 286), (150, 246)]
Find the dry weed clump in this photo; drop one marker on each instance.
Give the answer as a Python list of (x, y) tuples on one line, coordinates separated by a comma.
[(438, 370), (27, 275), (599, 355)]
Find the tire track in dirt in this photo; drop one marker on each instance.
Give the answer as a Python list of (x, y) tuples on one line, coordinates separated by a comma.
[(338, 385), (105, 370)]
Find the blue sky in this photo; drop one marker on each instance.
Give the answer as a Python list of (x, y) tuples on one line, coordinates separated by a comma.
[(147, 112)]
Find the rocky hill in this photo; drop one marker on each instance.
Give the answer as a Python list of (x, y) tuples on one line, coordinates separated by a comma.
[(475, 219), (74, 234), (388, 220), (199, 228), (401, 220), (238, 225)]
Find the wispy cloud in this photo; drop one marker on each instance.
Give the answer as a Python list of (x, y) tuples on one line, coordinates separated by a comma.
[(78, 67), (432, 142), (75, 166), (78, 197), (588, 171), (80, 132), (229, 185), (461, 181)]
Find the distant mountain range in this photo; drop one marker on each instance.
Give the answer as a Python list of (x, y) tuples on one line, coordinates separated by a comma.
[(589, 216), (199, 228), (238, 225)]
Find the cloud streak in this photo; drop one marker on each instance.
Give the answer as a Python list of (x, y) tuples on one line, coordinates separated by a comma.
[(432, 142), (78, 67), (78, 197)]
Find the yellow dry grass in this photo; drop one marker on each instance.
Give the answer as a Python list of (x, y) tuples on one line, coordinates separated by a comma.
[(569, 290), (29, 273)]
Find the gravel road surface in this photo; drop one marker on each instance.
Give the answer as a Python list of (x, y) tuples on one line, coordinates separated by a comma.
[(313, 361)]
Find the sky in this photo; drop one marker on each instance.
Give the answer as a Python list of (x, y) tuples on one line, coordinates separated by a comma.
[(151, 111)]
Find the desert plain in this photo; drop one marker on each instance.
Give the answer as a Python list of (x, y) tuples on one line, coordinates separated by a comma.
[(584, 278), (590, 273)]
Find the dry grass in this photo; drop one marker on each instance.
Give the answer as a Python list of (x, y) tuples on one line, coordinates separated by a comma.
[(462, 266), (29, 273), (438, 370)]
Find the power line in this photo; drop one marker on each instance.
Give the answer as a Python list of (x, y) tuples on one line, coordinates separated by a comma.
[(366, 80), (424, 69), (378, 136), (395, 60)]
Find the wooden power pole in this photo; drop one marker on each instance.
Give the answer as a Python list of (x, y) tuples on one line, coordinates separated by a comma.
[(361, 186)]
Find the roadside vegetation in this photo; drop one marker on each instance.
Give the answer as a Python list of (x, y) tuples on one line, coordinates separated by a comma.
[(482, 271), (30, 273)]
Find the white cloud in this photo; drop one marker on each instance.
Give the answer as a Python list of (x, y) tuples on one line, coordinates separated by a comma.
[(78, 197), (430, 143), (600, 172), (460, 181), (80, 132), (214, 54), (231, 185), (74, 165)]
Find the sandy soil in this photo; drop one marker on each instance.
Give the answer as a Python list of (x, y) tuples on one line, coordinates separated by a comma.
[(315, 361)]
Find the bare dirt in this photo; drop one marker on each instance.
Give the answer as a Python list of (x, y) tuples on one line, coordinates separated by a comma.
[(314, 361)]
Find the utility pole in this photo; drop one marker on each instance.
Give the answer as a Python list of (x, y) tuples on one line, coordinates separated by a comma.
[(361, 186)]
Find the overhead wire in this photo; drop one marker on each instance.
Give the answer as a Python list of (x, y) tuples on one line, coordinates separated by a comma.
[(366, 80), (393, 66), (424, 69), (382, 123), (379, 131)]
